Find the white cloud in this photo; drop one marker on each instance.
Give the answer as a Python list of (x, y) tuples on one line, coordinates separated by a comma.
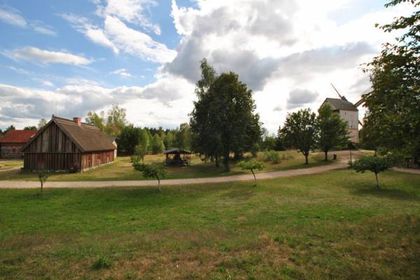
[(122, 72), (135, 42), (13, 17), (33, 54), (132, 11), (91, 31), (169, 100)]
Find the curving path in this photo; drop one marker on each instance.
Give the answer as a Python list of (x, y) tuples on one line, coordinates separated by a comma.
[(173, 182)]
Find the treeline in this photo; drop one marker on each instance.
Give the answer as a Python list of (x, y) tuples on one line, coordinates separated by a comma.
[(136, 140)]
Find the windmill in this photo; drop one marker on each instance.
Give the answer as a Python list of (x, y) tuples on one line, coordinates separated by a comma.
[(357, 104)]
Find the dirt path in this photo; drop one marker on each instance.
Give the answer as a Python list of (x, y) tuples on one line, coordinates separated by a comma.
[(173, 182)]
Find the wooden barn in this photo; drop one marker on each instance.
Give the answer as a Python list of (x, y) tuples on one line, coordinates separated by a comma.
[(12, 142), (68, 145)]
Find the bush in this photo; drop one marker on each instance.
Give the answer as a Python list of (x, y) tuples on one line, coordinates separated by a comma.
[(251, 165), (272, 156), (374, 164)]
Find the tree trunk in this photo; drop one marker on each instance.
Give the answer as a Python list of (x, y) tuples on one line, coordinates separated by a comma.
[(306, 159), (326, 155), (226, 162), (42, 186), (255, 178), (217, 161), (377, 181), (158, 183)]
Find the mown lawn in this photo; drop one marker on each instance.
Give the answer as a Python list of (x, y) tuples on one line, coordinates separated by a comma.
[(122, 169), (328, 226)]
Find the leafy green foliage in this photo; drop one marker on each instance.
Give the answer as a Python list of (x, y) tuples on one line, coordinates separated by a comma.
[(157, 144), (374, 164), (251, 165), (393, 119), (111, 124), (223, 120), (332, 129), (154, 170), (300, 131), (272, 156)]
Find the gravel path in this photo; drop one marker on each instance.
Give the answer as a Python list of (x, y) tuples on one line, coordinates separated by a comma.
[(173, 182)]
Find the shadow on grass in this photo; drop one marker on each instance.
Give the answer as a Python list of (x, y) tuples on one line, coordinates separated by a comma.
[(386, 193)]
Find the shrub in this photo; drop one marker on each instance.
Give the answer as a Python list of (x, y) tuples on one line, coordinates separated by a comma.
[(154, 170), (251, 165), (272, 156), (374, 164)]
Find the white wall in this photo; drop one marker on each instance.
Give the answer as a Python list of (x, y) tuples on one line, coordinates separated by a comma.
[(352, 119)]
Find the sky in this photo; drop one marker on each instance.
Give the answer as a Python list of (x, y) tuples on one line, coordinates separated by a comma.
[(70, 57)]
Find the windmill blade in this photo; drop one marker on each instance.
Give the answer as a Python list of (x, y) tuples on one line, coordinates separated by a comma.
[(360, 123), (360, 102), (336, 90)]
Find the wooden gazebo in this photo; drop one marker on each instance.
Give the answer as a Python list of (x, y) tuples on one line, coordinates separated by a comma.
[(177, 157)]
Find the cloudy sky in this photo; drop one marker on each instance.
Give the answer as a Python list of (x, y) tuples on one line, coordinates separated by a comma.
[(71, 57)]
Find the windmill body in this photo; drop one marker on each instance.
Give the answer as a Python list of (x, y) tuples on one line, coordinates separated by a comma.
[(349, 113)]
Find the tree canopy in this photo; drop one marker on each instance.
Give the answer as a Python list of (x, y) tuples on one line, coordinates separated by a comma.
[(300, 131), (393, 118), (223, 120), (332, 129)]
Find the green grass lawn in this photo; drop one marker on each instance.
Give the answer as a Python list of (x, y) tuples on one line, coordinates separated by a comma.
[(122, 169), (327, 226)]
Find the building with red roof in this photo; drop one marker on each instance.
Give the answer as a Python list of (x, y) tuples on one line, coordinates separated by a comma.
[(12, 142)]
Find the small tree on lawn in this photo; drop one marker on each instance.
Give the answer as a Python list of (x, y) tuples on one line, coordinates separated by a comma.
[(42, 176), (154, 170), (374, 164), (140, 151), (300, 131), (251, 165)]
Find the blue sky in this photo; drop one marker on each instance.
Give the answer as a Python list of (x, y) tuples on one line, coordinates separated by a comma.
[(72, 57)]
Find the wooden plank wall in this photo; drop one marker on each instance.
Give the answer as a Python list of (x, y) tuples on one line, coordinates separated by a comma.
[(93, 159), (52, 150)]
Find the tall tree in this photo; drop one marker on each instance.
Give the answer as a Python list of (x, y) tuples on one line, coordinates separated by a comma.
[(116, 120), (157, 144), (300, 131), (332, 129), (393, 118), (223, 120), (128, 139), (183, 136), (42, 122), (97, 120)]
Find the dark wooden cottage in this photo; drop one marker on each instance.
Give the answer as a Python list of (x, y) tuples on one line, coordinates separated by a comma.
[(12, 142), (68, 145)]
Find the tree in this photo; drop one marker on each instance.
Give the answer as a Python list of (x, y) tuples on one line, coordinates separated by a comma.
[(97, 120), (42, 122), (29, 128), (11, 127), (42, 177), (169, 140), (332, 129), (251, 165), (223, 120), (300, 131), (140, 151), (393, 119), (157, 144), (183, 137), (116, 120), (128, 139), (155, 170), (145, 140), (374, 164)]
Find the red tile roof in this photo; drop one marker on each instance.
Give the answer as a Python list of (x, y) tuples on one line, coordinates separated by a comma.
[(17, 136)]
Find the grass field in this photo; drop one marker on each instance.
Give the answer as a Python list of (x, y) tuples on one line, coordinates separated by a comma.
[(122, 169), (327, 226)]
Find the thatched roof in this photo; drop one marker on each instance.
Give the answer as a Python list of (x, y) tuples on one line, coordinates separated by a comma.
[(86, 137)]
